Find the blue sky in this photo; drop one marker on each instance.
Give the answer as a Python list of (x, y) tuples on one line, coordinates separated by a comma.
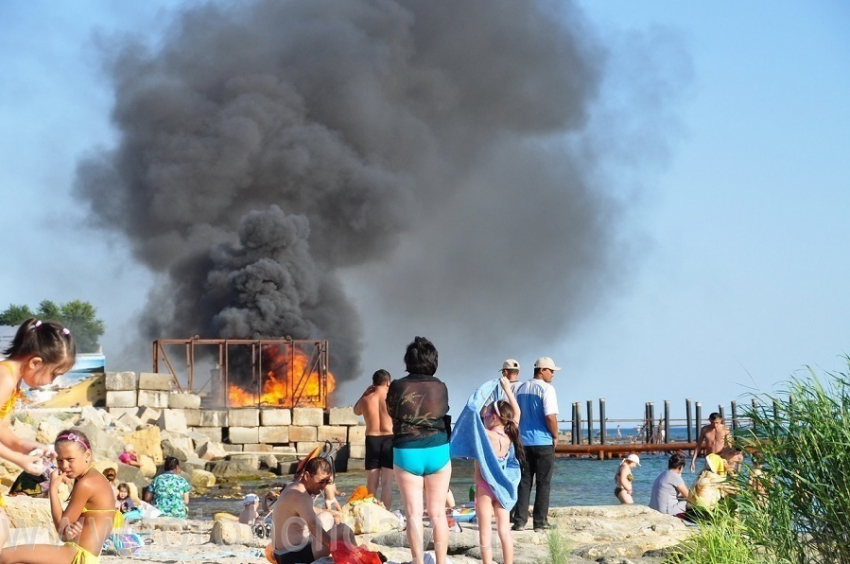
[(739, 224)]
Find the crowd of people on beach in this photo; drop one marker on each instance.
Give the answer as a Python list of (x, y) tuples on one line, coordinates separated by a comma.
[(508, 427)]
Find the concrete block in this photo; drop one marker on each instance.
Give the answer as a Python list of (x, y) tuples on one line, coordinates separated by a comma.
[(155, 382), (232, 448), (130, 421), (251, 460), (306, 447), (333, 433), (173, 420), (179, 448), (357, 451), (120, 381), (283, 449), (121, 399), (117, 412), (149, 398), (307, 416), (256, 448), (184, 401), (357, 435), (193, 417), (343, 416), (297, 433), (213, 433), (275, 417), (278, 435), (242, 435), (244, 417), (213, 418), (149, 415), (211, 450)]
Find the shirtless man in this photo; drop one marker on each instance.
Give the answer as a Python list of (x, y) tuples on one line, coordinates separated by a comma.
[(372, 405), (301, 533), (715, 435)]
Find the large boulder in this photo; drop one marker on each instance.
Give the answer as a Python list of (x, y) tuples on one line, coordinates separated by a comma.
[(228, 470), (369, 517), (232, 532), (102, 443), (49, 428), (202, 479), (31, 512), (148, 441), (211, 450), (178, 447)]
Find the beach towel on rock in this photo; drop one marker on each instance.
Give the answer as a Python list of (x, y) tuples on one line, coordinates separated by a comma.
[(469, 440)]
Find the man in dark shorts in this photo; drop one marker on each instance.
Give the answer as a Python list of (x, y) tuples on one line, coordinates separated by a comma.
[(372, 405), (301, 533)]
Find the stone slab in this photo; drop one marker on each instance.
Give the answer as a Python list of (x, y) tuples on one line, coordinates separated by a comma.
[(213, 433), (275, 417), (243, 417), (343, 416), (126, 398), (357, 435), (193, 417), (308, 416), (156, 382), (299, 433), (184, 401), (173, 420), (357, 451), (306, 447), (242, 435), (213, 418), (278, 435), (149, 414), (331, 433), (117, 412), (155, 399), (120, 381)]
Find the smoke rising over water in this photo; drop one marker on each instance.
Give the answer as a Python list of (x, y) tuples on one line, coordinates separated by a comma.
[(268, 150)]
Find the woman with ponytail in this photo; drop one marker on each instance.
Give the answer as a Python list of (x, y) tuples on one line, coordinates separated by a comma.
[(501, 421)]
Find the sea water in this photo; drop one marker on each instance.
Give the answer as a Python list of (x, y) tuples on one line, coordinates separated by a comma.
[(575, 481)]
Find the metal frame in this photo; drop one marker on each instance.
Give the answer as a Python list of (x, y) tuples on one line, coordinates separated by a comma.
[(316, 351)]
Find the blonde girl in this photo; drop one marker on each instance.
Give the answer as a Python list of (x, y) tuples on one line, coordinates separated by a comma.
[(86, 521), (40, 351)]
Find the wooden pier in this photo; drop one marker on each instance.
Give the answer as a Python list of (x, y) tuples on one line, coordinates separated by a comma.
[(620, 450)]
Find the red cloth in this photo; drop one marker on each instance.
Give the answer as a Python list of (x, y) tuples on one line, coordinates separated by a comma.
[(345, 554)]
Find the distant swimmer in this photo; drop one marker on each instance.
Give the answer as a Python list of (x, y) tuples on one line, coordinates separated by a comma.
[(716, 437)]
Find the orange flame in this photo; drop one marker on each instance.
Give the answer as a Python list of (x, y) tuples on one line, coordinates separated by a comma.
[(290, 379)]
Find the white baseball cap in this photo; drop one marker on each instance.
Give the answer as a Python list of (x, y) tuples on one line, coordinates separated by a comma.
[(634, 458), (510, 364), (546, 362), (250, 498)]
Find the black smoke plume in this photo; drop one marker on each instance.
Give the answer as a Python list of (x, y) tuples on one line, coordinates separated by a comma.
[(268, 148)]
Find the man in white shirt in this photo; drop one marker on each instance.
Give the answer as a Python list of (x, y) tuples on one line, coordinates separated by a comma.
[(539, 432)]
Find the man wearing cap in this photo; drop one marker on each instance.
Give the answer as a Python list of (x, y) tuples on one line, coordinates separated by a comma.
[(250, 505), (539, 432), (510, 370)]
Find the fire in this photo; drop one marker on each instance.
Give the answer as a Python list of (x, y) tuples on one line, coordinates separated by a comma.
[(290, 378)]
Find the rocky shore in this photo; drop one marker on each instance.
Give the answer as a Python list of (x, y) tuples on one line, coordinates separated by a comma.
[(602, 534)]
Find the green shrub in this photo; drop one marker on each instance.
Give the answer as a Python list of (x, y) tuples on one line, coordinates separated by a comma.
[(720, 540), (559, 549)]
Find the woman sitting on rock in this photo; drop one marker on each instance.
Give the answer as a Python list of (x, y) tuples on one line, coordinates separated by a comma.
[(169, 492)]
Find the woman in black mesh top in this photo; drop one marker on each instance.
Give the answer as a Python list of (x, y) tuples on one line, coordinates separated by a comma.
[(418, 405)]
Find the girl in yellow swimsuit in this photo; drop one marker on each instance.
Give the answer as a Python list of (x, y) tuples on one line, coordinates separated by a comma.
[(40, 351), (89, 517)]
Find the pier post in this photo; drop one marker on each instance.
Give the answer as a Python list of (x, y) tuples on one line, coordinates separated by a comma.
[(688, 421), (775, 411), (734, 418), (722, 413), (589, 422), (573, 424), (666, 422), (698, 419), (603, 423), (578, 423)]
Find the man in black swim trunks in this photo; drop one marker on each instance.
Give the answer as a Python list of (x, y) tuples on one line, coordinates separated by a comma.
[(372, 405), (301, 532)]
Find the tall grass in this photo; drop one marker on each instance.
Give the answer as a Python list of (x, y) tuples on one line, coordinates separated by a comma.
[(559, 547), (793, 500), (797, 503), (723, 540)]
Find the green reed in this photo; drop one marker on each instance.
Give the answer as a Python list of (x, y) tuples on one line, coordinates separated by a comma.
[(559, 547), (793, 500)]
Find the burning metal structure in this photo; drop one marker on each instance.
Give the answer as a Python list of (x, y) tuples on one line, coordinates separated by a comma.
[(253, 372)]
